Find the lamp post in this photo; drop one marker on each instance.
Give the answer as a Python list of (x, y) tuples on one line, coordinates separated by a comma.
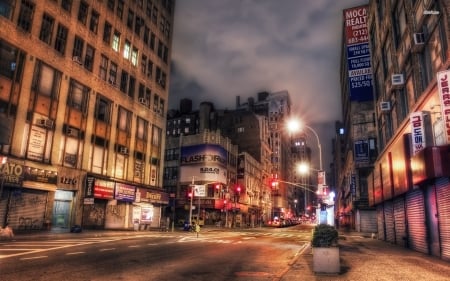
[(318, 145)]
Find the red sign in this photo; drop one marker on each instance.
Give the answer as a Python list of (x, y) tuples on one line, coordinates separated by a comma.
[(103, 189), (356, 25)]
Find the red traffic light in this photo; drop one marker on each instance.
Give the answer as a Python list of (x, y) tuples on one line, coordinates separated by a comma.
[(217, 186), (238, 188)]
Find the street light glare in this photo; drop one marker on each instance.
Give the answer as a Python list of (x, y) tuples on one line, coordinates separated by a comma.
[(303, 168), (293, 125)]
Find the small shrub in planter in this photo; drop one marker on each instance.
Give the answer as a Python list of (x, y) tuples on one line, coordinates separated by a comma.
[(325, 249), (325, 235)]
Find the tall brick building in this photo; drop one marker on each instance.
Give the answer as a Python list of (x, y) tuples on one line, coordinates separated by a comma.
[(83, 96)]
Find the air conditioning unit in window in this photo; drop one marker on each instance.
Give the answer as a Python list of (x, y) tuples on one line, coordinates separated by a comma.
[(419, 42), (143, 101), (397, 80), (77, 59), (47, 123), (385, 106), (419, 38), (123, 150), (72, 132)]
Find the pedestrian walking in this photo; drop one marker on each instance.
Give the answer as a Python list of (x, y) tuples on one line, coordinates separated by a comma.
[(197, 228)]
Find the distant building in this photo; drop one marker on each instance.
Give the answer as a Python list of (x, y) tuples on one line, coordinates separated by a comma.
[(83, 96)]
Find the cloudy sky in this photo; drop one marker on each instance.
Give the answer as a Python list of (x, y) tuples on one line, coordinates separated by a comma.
[(228, 48)]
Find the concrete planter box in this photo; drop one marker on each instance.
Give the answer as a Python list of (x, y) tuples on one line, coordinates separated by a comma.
[(326, 260)]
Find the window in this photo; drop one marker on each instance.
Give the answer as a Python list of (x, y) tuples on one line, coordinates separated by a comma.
[(124, 81), (119, 10), (124, 120), (143, 64), (156, 135), (112, 73), (116, 41), (162, 24), (93, 24), (26, 15), (103, 67), (61, 39), (240, 129), (111, 4), (138, 25), (165, 54), (152, 41), (130, 19), (83, 12), (78, 96), (107, 32), (46, 29), (6, 9), (149, 69), (141, 129), (167, 29), (134, 56), (127, 50), (146, 35), (66, 5), (132, 87), (103, 110), (148, 10), (78, 45), (155, 15), (160, 49), (89, 58)]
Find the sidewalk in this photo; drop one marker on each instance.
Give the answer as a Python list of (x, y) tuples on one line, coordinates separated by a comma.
[(366, 259)]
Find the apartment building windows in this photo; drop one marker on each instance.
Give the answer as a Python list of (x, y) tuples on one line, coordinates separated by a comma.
[(123, 138), (130, 19), (119, 9), (74, 124), (112, 73), (111, 4), (25, 15), (6, 8), (132, 87), (148, 10), (93, 24), (139, 22), (78, 46), (141, 147), (155, 15), (152, 41), (146, 35), (66, 5), (149, 69), (144, 64), (45, 34), (83, 12), (42, 110), (98, 159), (103, 68), (103, 110), (134, 56), (89, 58), (116, 41), (124, 81), (127, 50), (61, 39), (107, 32)]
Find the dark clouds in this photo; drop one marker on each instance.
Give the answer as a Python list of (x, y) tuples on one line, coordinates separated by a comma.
[(228, 48)]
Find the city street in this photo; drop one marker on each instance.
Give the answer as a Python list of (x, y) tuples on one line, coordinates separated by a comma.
[(217, 254)]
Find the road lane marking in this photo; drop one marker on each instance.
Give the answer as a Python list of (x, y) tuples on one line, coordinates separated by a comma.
[(107, 249), (75, 253), (34, 258)]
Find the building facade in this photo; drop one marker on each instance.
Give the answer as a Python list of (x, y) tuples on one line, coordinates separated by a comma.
[(409, 182), (83, 94)]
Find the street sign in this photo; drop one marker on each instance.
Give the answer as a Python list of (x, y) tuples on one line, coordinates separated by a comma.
[(199, 191)]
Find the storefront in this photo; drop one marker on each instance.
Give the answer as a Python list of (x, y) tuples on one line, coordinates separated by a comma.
[(25, 196)]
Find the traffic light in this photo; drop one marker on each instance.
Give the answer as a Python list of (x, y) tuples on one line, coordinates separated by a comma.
[(238, 189), (273, 183), (217, 186)]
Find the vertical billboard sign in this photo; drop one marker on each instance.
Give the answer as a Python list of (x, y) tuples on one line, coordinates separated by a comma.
[(443, 78), (203, 162), (416, 119), (358, 54)]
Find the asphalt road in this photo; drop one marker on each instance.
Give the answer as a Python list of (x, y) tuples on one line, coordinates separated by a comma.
[(217, 254)]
